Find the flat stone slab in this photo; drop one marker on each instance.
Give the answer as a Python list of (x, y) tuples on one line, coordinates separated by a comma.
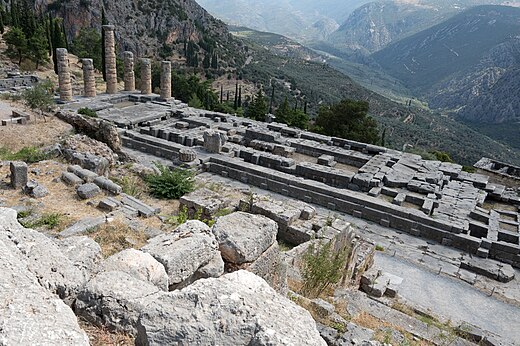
[(142, 208), (494, 270), (83, 226)]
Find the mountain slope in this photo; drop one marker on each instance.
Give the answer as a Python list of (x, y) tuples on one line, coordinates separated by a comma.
[(302, 20), (320, 84), (145, 26), (468, 63), (375, 25)]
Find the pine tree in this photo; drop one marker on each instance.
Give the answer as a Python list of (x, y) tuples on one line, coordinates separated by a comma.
[(258, 107), (38, 47), (283, 112), (16, 43), (104, 21)]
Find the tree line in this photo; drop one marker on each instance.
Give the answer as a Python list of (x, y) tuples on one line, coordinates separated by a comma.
[(31, 36)]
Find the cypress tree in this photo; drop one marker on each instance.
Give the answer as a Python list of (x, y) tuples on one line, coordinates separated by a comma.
[(2, 29), (221, 94), (14, 14), (65, 39), (227, 96), (235, 106), (305, 108), (103, 22), (240, 97), (272, 100)]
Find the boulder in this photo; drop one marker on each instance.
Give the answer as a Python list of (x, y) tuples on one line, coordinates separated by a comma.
[(30, 314), (183, 252), (35, 190), (88, 190), (139, 265), (43, 257), (114, 299), (243, 237), (83, 252), (235, 309)]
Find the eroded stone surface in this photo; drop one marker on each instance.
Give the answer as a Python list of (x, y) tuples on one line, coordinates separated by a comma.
[(235, 309)]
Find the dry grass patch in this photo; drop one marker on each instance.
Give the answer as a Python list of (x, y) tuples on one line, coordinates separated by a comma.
[(117, 236), (364, 319), (100, 336)]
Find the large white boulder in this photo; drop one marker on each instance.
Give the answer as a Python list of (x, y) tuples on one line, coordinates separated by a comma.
[(185, 252), (30, 314), (139, 265), (243, 237), (236, 309)]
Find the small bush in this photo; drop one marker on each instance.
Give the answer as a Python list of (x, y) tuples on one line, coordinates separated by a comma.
[(170, 184), (469, 169), (88, 112), (322, 267), (380, 248), (131, 185), (27, 154)]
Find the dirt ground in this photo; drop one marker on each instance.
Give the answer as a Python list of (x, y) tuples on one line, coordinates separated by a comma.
[(35, 133)]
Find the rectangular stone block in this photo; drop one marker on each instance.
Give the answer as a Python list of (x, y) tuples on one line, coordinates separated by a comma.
[(18, 174)]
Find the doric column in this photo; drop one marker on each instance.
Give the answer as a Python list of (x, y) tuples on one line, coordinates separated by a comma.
[(129, 71), (110, 59), (89, 79), (64, 74), (146, 76), (166, 80)]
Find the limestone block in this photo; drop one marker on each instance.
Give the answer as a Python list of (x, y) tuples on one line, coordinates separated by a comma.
[(18, 174), (251, 312), (189, 247)]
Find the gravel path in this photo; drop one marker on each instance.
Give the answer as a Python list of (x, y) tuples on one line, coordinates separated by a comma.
[(449, 297)]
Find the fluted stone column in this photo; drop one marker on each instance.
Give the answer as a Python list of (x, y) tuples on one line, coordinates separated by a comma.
[(89, 79), (110, 59), (166, 80), (64, 74), (129, 71), (146, 76)]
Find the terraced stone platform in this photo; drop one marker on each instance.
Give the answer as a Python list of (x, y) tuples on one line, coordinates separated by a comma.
[(429, 199)]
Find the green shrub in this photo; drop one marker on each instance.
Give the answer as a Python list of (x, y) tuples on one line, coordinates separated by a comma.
[(380, 248), (469, 169), (170, 184), (27, 154), (323, 267), (88, 112), (50, 221)]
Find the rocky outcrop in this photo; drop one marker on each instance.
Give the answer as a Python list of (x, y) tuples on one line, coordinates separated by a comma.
[(248, 241), (43, 258), (235, 309), (29, 314), (138, 264), (185, 252), (243, 237), (98, 129), (114, 300), (83, 252)]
